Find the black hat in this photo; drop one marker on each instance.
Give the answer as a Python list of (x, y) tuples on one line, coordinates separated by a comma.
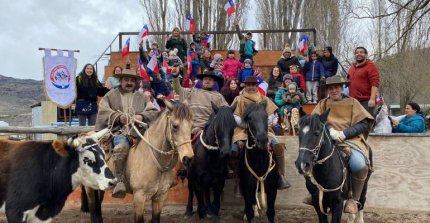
[(251, 79), (209, 74)]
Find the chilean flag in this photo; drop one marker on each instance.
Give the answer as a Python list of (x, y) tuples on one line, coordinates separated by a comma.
[(303, 44), (190, 24), (142, 71), (165, 64), (207, 40), (262, 86), (153, 65), (189, 63), (126, 48), (144, 32), (230, 7)]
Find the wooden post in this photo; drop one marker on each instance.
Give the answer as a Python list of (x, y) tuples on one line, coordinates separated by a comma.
[(49, 115)]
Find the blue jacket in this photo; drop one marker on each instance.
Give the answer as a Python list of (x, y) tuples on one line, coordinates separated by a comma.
[(314, 71), (413, 124), (245, 72), (330, 66)]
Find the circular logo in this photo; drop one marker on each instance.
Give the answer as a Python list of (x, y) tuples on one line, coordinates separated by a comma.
[(60, 77)]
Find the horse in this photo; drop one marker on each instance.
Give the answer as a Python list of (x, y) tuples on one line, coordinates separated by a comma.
[(209, 167), (149, 167), (256, 168), (325, 169)]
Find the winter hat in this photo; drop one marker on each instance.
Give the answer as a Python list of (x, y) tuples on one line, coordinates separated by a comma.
[(173, 52), (217, 56), (248, 61), (286, 50), (287, 76), (292, 86)]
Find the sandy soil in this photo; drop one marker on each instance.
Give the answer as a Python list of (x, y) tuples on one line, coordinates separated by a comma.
[(174, 213)]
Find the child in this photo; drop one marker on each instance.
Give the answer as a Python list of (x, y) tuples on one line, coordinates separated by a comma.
[(216, 64), (314, 72), (199, 40), (245, 72), (231, 66), (294, 100), (297, 77), (195, 61), (153, 50), (174, 63)]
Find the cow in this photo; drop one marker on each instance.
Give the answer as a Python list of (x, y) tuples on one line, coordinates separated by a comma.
[(37, 176)]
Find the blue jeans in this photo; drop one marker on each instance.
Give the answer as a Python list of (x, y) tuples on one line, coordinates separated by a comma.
[(357, 161), (91, 120), (118, 139)]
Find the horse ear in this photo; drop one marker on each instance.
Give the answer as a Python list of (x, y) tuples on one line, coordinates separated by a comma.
[(233, 107), (168, 104), (323, 116), (214, 107)]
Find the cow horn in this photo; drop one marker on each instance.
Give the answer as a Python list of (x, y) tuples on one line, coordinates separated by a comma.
[(98, 135)]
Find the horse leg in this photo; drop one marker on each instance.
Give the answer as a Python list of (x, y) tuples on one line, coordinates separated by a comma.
[(201, 210), (321, 217), (271, 198), (189, 209), (248, 196), (208, 202), (217, 201), (94, 205), (336, 208), (139, 205), (157, 207)]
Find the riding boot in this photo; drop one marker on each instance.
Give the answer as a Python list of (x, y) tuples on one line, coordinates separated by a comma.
[(358, 180), (119, 157), (278, 151)]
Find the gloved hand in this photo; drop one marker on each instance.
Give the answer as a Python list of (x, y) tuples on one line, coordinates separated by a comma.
[(337, 135)]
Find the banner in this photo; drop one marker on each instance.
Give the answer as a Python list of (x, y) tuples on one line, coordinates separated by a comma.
[(59, 77)]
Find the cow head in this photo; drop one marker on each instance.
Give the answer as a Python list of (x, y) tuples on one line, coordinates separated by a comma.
[(92, 171)]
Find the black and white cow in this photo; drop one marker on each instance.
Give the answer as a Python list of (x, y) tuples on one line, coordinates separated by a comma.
[(36, 177)]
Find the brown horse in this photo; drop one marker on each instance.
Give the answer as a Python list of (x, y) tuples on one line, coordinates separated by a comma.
[(149, 169)]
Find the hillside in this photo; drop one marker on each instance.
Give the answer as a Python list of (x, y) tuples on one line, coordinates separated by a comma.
[(16, 97)]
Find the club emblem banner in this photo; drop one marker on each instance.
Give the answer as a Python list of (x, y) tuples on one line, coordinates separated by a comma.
[(59, 76)]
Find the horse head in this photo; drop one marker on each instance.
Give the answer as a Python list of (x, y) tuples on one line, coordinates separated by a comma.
[(255, 118), (312, 133), (223, 124), (180, 124)]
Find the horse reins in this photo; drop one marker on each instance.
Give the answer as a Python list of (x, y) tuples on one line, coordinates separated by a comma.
[(209, 147), (260, 180), (311, 177)]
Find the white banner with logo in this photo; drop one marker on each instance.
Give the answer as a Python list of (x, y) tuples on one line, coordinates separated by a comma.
[(59, 76)]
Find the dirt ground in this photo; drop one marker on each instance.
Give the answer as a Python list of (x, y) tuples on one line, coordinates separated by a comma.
[(174, 213)]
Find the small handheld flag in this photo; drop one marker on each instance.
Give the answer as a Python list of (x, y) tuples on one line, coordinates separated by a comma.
[(380, 100), (190, 24), (303, 44), (189, 63), (207, 40), (142, 71), (126, 48), (153, 65), (230, 7), (144, 32), (262, 86)]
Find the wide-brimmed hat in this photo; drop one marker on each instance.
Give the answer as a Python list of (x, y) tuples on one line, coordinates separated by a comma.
[(209, 73), (251, 79), (336, 79), (128, 73)]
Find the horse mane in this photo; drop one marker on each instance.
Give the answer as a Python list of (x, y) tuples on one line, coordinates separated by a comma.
[(182, 112), (253, 108), (224, 118), (313, 121)]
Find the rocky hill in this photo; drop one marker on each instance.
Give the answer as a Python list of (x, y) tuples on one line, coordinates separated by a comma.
[(16, 97)]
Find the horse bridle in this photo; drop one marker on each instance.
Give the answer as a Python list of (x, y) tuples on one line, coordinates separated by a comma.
[(209, 147), (252, 136), (316, 151)]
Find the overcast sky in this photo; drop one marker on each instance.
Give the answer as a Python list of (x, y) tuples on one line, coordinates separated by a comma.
[(87, 25)]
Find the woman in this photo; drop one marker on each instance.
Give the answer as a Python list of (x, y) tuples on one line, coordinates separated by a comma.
[(329, 62), (177, 42), (413, 122), (113, 82), (230, 90), (88, 88), (274, 81)]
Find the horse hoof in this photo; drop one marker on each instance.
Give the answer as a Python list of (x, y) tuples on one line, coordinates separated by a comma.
[(188, 214), (216, 219)]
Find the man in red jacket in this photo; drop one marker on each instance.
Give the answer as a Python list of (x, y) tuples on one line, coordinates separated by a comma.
[(364, 80)]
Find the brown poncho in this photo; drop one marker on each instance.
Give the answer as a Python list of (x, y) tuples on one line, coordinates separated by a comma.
[(344, 114)]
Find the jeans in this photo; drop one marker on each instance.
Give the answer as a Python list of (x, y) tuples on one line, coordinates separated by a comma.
[(91, 119), (118, 139), (312, 91), (357, 161)]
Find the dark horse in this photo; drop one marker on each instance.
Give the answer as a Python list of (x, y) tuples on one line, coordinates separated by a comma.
[(256, 166), (324, 168), (208, 169)]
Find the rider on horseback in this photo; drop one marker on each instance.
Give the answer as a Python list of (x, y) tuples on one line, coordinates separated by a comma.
[(251, 95), (118, 110), (349, 125)]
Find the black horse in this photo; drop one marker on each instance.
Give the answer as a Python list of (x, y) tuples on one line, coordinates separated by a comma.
[(208, 169), (324, 167), (255, 161)]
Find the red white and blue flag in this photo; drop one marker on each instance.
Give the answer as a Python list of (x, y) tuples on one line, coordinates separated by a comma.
[(144, 32), (207, 40), (142, 71), (126, 48), (190, 24), (230, 7), (262, 86), (380, 100), (303, 44), (153, 65), (189, 62)]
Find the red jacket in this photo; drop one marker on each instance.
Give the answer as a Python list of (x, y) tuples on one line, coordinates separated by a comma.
[(230, 68), (299, 80), (362, 78)]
